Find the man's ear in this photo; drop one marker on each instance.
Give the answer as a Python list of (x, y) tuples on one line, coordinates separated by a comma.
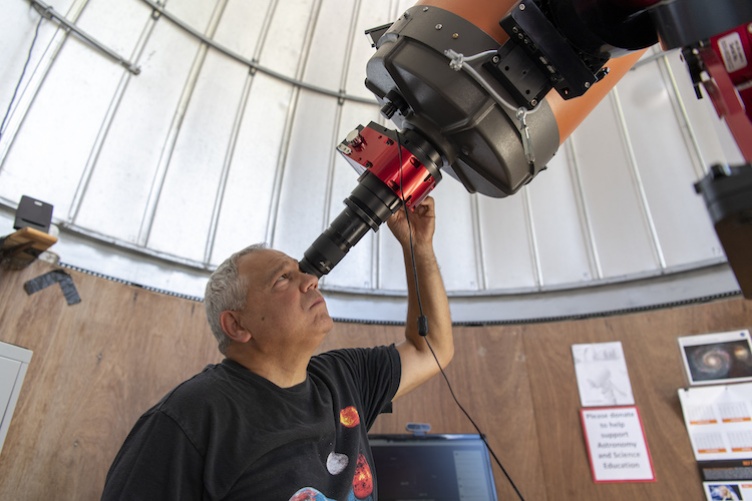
[(230, 322)]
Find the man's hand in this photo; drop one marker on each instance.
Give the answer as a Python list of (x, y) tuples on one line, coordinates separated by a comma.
[(422, 224)]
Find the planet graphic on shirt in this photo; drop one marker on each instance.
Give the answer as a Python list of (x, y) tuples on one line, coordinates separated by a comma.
[(351, 497), (336, 463), (309, 494), (349, 417), (363, 479)]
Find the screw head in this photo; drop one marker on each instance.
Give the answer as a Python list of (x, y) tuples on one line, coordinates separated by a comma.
[(438, 26), (455, 35), (522, 6)]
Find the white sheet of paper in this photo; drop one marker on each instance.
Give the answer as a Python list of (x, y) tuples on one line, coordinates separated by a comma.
[(602, 376)]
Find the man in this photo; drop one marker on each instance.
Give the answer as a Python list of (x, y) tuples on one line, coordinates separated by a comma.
[(273, 421)]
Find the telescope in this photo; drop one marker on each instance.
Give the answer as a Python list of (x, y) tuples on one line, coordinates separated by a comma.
[(486, 91)]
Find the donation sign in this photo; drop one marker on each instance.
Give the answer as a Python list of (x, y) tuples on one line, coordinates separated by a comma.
[(616, 445)]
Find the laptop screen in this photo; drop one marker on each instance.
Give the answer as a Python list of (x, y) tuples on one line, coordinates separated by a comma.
[(432, 468)]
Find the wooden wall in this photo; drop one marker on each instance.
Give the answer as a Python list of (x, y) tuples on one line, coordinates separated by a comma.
[(99, 364)]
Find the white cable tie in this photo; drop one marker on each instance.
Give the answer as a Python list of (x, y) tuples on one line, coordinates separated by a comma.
[(456, 59), (527, 141)]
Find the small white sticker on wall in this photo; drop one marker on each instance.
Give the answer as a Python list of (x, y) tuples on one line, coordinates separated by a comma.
[(732, 51)]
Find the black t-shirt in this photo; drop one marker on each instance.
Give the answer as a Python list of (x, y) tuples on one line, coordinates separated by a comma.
[(229, 434)]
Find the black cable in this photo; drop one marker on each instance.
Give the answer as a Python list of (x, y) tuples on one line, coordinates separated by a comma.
[(23, 73), (423, 329), (480, 433), (422, 320)]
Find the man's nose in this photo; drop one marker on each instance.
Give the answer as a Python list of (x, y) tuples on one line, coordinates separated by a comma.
[(308, 281)]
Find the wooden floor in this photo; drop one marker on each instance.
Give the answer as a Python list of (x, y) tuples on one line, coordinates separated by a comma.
[(99, 364)]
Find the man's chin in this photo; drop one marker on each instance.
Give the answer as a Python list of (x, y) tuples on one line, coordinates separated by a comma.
[(330, 324)]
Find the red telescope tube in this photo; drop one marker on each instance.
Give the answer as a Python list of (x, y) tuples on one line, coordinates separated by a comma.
[(404, 164)]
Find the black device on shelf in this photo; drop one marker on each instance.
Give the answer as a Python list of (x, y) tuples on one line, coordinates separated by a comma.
[(33, 213)]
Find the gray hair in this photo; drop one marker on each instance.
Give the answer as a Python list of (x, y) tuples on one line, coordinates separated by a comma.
[(226, 290)]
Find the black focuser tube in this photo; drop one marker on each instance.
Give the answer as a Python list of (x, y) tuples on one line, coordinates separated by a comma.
[(332, 245), (369, 205)]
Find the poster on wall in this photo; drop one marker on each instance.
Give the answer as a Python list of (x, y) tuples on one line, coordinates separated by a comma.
[(602, 377), (616, 445), (719, 421), (728, 491), (719, 358)]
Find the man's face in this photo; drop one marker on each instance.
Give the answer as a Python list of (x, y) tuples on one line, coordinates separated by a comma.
[(284, 308)]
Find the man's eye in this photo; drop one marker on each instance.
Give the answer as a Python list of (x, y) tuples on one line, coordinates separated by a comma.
[(284, 276)]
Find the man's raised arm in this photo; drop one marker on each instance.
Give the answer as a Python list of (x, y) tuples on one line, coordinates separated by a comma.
[(418, 364)]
